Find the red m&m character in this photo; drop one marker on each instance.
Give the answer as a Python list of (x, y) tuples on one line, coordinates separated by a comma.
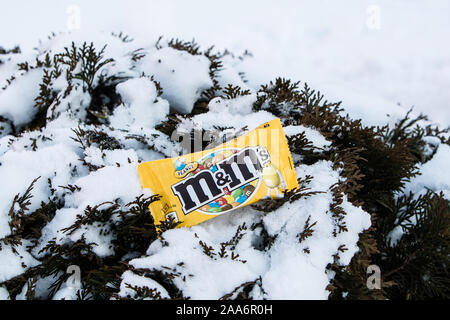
[(222, 201)]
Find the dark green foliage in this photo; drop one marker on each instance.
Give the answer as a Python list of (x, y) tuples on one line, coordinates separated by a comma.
[(91, 62), (284, 99), (336, 210), (22, 202), (215, 66), (227, 249), (164, 278), (6, 126), (149, 142), (26, 225), (275, 95), (79, 65), (122, 36), (268, 205), (300, 145), (32, 224), (208, 250), (136, 229), (95, 216), (104, 99), (231, 92), (87, 138), (189, 46), (265, 240), (47, 95), (307, 230), (16, 49), (165, 225), (60, 256), (100, 276), (418, 263), (408, 131), (242, 291), (376, 163), (3, 51), (240, 231), (144, 293), (170, 125)]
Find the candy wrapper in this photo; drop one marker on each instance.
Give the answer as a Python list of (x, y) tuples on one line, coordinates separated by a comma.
[(202, 185)]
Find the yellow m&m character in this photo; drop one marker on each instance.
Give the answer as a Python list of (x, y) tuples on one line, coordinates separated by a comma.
[(270, 176), (273, 180), (229, 199)]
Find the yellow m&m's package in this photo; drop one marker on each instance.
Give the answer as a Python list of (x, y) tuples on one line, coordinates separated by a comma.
[(202, 185)]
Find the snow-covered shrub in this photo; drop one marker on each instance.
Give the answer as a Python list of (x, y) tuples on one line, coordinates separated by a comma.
[(76, 119)]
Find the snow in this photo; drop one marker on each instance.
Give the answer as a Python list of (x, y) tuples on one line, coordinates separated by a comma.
[(432, 177), (229, 75), (13, 264), (17, 104), (395, 235), (4, 294), (116, 182), (66, 293), (224, 113), (201, 276), (311, 134), (208, 281), (100, 158), (21, 167), (141, 107), (131, 279), (104, 185), (334, 48), (377, 110), (169, 67), (377, 73)]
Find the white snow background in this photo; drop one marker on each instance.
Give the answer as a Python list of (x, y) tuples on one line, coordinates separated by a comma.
[(344, 48), (375, 70)]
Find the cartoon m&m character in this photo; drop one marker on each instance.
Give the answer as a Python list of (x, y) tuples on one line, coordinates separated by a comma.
[(180, 164), (248, 190), (208, 163), (274, 181)]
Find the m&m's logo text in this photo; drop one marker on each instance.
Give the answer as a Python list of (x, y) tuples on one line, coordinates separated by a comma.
[(231, 173)]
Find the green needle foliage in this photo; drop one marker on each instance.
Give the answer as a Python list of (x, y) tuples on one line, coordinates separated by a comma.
[(4, 52), (375, 162)]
